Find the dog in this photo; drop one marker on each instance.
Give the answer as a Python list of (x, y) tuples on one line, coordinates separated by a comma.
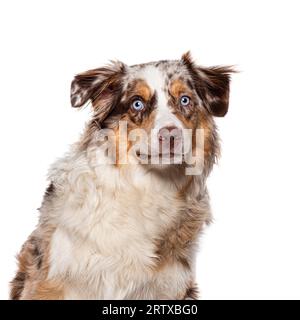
[(120, 229)]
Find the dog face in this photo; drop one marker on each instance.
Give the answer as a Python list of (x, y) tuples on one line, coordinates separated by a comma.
[(162, 98)]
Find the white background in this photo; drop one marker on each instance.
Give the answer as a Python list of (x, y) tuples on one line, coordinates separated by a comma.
[(252, 249)]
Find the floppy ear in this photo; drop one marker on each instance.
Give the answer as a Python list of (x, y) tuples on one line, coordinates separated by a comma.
[(212, 85), (96, 85)]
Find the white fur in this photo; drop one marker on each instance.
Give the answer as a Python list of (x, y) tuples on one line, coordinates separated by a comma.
[(107, 220)]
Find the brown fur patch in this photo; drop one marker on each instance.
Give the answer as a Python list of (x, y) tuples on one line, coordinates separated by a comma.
[(48, 290), (146, 125), (192, 292), (140, 88), (211, 141), (50, 190), (181, 193), (176, 243), (29, 263), (178, 88), (188, 115), (33, 262), (190, 122), (17, 285)]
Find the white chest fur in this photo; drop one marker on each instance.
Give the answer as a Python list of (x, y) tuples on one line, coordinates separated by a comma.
[(107, 219)]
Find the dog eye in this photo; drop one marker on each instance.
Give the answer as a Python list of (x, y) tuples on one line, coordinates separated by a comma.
[(137, 105), (185, 100)]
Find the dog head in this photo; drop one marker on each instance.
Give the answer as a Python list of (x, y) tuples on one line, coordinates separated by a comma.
[(161, 99)]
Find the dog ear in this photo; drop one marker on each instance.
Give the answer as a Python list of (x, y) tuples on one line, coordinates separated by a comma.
[(212, 85), (97, 85)]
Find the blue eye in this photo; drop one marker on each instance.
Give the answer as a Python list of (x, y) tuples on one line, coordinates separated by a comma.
[(185, 101), (137, 105)]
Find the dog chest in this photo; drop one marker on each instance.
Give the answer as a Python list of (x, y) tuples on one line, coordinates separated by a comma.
[(112, 243)]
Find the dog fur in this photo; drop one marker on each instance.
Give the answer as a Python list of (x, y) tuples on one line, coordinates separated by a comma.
[(115, 231)]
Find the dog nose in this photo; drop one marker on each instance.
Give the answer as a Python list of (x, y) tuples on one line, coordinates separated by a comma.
[(169, 132)]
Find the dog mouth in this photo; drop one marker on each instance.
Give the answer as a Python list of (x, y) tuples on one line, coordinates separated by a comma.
[(172, 156), (158, 155)]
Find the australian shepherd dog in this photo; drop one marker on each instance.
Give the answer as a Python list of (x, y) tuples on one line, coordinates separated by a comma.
[(126, 205)]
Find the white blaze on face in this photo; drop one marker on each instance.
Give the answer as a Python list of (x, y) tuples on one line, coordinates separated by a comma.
[(156, 80)]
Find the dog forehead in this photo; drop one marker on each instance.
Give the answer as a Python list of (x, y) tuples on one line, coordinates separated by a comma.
[(157, 75)]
